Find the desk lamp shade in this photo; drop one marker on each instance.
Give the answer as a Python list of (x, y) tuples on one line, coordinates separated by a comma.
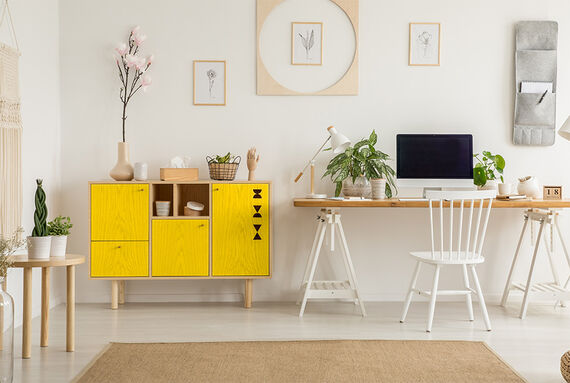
[(565, 129), (339, 142)]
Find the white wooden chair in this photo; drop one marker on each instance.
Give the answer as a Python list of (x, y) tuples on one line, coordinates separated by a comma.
[(465, 233)]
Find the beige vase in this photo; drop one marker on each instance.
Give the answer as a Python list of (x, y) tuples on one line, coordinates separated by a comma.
[(123, 170)]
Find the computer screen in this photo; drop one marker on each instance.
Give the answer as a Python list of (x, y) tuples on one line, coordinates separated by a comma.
[(434, 156)]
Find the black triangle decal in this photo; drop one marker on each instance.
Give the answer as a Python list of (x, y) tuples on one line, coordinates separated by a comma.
[(257, 207), (257, 237), (257, 226), (257, 215), (257, 193)]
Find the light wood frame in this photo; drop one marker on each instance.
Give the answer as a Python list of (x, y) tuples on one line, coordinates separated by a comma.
[(346, 86), (225, 81), (438, 44), (293, 41)]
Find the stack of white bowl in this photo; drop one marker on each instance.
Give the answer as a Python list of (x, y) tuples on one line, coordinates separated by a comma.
[(162, 208)]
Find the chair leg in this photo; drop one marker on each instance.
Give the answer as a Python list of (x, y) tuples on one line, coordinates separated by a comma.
[(410, 292), (468, 299), (481, 299), (433, 298)]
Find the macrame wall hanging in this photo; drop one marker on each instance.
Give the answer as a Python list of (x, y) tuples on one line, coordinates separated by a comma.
[(10, 133)]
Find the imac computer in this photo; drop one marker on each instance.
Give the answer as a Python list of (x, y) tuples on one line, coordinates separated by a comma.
[(434, 161)]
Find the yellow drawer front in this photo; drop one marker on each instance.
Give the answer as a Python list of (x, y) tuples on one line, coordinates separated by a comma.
[(119, 212), (240, 229), (119, 259), (180, 248)]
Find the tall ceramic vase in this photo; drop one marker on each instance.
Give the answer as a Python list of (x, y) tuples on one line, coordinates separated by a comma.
[(6, 335), (123, 170)]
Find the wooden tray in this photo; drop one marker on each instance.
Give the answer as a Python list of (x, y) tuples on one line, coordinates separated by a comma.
[(179, 174)]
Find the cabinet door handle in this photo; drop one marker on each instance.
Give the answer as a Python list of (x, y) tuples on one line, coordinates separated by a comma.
[(141, 190), (202, 225), (118, 247), (216, 189)]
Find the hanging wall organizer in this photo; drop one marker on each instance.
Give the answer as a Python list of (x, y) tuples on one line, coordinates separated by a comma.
[(10, 134), (535, 73)]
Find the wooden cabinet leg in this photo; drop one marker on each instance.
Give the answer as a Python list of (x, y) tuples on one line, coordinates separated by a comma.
[(248, 293), (4, 287), (45, 307), (70, 310), (27, 314), (122, 292), (114, 295)]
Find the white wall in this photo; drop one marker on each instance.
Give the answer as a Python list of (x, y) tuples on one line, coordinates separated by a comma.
[(471, 92), (37, 28)]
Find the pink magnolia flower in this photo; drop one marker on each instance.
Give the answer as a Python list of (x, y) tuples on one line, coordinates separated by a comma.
[(131, 60), (140, 63), (146, 81), (150, 59), (121, 49), (139, 38)]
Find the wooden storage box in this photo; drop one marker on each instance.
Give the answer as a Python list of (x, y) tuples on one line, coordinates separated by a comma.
[(179, 174)]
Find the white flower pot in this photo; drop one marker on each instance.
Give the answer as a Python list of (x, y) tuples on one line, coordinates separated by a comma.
[(58, 246), (360, 188), (490, 185), (378, 188), (39, 247)]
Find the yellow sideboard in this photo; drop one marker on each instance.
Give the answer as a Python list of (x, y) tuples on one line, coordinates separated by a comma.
[(230, 239)]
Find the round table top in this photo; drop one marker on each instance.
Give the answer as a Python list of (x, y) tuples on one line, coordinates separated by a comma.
[(69, 260)]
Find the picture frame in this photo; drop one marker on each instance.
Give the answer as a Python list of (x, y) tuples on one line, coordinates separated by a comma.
[(425, 44), (210, 82), (306, 43)]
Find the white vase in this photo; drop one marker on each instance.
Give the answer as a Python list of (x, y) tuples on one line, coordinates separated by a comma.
[(378, 188), (39, 247), (490, 185), (141, 171), (58, 246), (359, 188), (123, 170), (529, 186)]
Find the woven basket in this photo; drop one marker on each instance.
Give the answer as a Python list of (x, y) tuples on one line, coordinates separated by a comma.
[(565, 366), (223, 172)]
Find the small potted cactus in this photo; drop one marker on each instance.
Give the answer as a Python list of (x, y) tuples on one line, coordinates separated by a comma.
[(39, 243), (59, 229)]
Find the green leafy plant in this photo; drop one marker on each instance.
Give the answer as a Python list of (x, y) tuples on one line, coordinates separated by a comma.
[(40, 215), (486, 166), (7, 247), (60, 226), (228, 158), (362, 159)]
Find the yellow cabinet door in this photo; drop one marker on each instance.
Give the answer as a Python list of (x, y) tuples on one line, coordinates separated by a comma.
[(180, 248), (119, 212), (119, 259), (240, 230)]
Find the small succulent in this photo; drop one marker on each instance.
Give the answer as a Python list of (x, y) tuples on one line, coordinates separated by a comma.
[(223, 159), (60, 226)]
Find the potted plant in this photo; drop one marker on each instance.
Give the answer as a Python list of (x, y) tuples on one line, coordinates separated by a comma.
[(7, 248), (132, 74), (486, 169), (223, 168), (352, 169), (59, 229), (39, 242)]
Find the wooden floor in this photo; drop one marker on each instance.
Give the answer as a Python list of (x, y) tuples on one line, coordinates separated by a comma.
[(533, 346)]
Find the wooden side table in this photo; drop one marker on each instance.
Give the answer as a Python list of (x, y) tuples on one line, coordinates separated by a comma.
[(70, 261)]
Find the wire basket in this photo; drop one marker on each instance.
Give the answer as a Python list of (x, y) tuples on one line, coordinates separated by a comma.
[(223, 172)]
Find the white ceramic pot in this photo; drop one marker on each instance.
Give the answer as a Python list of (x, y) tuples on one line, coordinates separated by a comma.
[(58, 246), (529, 186), (141, 171), (123, 170), (39, 247), (505, 189), (378, 188), (490, 185), (360, 188)]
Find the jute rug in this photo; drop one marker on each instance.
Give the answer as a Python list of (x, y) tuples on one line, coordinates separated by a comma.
[(300, 361)]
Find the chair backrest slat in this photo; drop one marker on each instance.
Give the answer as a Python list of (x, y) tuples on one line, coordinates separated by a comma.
[(473, 237)]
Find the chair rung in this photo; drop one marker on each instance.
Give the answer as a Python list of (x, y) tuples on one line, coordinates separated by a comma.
[(444, 292)]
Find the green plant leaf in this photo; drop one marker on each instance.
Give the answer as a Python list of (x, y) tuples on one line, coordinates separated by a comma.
[(479, 176), (338, 189), (373, 138)]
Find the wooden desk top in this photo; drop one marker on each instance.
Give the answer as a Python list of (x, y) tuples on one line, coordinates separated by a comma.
[(69, 260), (394, 202)]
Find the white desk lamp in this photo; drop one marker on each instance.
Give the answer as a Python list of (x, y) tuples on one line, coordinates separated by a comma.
[(339, 143), (565, 130)]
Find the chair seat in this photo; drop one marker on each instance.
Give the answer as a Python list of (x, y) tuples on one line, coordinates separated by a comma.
[(457, 258)]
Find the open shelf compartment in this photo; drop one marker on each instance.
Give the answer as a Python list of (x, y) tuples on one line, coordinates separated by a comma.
[(162, 192), (193, 192)]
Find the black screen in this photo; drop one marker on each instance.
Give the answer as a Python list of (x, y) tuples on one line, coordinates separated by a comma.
[(443, 156)]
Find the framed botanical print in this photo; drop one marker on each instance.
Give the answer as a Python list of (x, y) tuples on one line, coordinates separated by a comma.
[(209, 82), (424, 47), (306, 43)]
